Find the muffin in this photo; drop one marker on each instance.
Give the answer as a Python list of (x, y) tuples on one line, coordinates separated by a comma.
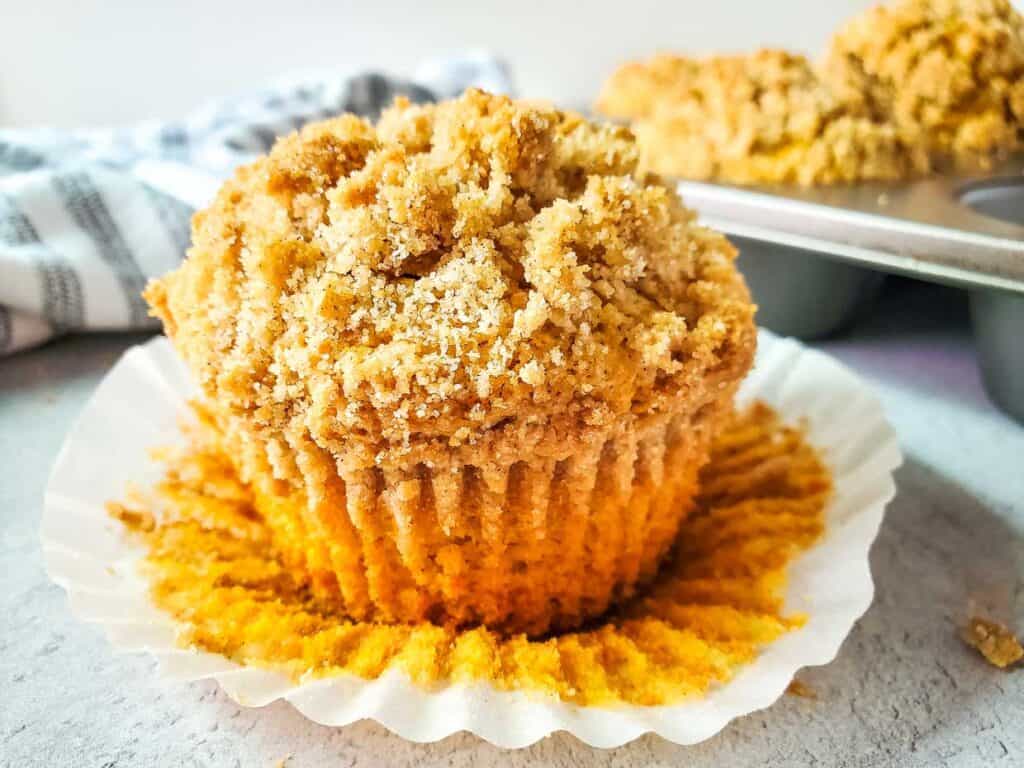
[(949, 73), (637, 87), (761, 118), (470, 358)]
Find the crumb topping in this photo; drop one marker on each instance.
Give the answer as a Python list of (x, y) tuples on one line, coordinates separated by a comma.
[(453, 268), (764, 117), (947, 72), (636, 88)]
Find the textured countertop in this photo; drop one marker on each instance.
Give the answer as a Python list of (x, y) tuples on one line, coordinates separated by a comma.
[(903, 690)]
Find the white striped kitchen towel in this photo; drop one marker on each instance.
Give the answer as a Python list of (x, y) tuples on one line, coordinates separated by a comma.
[(86, 218)]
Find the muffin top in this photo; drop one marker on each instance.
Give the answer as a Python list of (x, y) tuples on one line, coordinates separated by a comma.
[(456, 268), (764, 117), (948, 71), (637, 87)]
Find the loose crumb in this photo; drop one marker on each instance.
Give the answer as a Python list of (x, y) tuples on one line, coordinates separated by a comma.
[(710, 611), (133, 519), (801, 689), (994, 641), (764, 117)]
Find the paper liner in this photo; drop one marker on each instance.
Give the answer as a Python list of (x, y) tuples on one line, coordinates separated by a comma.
[(529, 545), (138, 406)]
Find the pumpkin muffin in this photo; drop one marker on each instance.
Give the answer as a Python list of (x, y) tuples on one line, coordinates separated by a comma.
[(760, 118), (469, 358), (636, 88), (949, 73)]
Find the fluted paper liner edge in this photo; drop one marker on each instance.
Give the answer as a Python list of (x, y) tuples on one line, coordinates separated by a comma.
[(138, 406)]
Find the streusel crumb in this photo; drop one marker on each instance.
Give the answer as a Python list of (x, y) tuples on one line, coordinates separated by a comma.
[(637, 87), (452, 268), (765, 117), (949, 73), (995, 641)]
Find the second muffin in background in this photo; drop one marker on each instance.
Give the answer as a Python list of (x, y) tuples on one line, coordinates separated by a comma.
[(948, 73), (470, 358), (759, 118)]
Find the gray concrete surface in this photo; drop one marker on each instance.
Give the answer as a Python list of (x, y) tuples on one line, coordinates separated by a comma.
[(903, 691)]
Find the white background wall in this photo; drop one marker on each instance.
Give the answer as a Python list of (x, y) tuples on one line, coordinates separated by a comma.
[(66, 63)]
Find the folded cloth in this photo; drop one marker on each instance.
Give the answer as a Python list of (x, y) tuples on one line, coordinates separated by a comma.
[(86, 218)]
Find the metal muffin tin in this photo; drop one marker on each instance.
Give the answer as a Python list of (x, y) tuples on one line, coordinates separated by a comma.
[(815, 258)]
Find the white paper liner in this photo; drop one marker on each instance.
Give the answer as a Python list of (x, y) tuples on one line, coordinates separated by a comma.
[(138, 406)]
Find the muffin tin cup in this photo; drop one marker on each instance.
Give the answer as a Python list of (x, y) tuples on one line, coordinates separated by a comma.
[(998, 316), (815, 258), (998, 320), (139, 405), (798, 293), (808, 296)]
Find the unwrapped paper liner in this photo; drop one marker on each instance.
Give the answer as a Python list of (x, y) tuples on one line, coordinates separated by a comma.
[(139, 404)]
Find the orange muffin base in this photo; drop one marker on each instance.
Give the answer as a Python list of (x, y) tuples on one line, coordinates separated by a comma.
[(530, 546)]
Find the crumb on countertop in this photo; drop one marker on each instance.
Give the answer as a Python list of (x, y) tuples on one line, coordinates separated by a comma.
[(995, 641)]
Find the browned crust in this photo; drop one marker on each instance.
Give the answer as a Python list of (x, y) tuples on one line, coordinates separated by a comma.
[(462, 272)]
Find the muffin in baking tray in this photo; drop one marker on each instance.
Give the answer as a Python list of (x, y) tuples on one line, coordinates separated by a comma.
[(949, 73), (636, 88), (469, 358), (758, 118)]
